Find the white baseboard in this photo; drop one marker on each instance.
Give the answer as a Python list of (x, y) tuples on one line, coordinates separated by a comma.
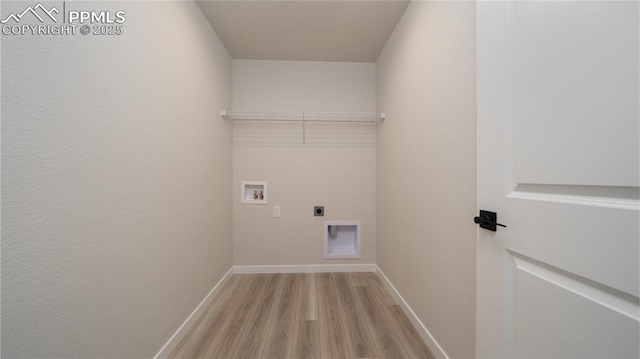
[(436, 349), (192, 318), (319, 268)]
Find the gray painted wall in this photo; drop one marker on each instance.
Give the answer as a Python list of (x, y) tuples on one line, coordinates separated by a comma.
[(426, 181), (335, 168), (116, 182)]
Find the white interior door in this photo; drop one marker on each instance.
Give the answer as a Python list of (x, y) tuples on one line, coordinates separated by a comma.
[(558, 160)]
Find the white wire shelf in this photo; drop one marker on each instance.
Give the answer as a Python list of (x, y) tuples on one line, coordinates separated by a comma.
[(303, 116)]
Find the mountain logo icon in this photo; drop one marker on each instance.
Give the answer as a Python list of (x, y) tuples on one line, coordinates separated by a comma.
[(34, 11)]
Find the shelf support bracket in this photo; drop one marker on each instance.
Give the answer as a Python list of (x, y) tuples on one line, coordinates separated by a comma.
[(304, 134)]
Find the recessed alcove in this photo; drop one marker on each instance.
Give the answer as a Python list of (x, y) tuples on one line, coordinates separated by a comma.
[(342, 239), (253, 192)]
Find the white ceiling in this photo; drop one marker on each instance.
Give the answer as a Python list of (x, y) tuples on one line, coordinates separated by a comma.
[(304, 30)]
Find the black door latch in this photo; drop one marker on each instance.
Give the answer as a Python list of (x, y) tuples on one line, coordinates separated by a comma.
[(488, 220)]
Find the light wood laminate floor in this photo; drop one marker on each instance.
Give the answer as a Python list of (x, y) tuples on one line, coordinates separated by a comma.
[(313, 315)]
